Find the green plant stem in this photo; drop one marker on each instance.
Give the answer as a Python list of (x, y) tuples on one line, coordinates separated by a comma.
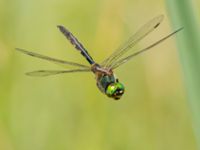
[(182, 13)]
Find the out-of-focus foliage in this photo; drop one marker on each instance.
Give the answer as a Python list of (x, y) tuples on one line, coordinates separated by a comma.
[(67, 112), (189, 49)]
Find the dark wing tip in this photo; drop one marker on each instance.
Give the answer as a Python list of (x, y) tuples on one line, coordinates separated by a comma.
[(27, 73), (18, 49), (181, 28), (21, 50), (157, 25), (177, 30), (39, 73), (160, 19)]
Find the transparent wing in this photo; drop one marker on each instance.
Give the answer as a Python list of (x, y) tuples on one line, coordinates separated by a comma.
[(43, 73), (139, 35), (124, 60), (53, 60)]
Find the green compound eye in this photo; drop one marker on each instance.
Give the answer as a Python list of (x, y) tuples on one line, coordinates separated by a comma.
[(115, 90)]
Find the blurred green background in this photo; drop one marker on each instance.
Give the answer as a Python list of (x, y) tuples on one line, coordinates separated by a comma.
[(68, 112)]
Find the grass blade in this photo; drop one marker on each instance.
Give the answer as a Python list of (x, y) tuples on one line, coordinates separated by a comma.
[(182, 14)]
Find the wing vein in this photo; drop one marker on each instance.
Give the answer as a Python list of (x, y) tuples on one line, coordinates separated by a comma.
[(50, 59), (124, 60), (133, 40), (43, 73)]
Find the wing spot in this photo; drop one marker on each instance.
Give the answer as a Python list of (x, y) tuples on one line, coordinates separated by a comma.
[(156, 25)]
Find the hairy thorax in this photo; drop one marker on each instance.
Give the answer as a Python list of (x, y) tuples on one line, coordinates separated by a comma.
[(104, 77)]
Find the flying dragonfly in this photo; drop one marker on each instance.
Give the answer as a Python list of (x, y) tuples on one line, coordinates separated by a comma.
[(106, 81)]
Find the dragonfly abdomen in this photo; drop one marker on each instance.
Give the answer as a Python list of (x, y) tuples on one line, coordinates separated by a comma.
[(73, 40)]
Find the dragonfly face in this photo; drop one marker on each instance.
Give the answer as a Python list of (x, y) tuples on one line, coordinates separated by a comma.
[(115, 90), (106, 81)]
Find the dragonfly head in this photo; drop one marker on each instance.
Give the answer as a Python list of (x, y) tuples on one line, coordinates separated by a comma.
[(115, 90)]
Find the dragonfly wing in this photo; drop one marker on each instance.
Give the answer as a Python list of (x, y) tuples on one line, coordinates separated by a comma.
[(53, 60), (124, 60), (43, 73), (135, 38)]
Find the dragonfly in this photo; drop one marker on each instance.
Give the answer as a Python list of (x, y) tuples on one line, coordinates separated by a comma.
[(106, 80)]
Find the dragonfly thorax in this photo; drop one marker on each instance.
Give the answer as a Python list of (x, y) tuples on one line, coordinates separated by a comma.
[(107, 82), (97, 69)]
